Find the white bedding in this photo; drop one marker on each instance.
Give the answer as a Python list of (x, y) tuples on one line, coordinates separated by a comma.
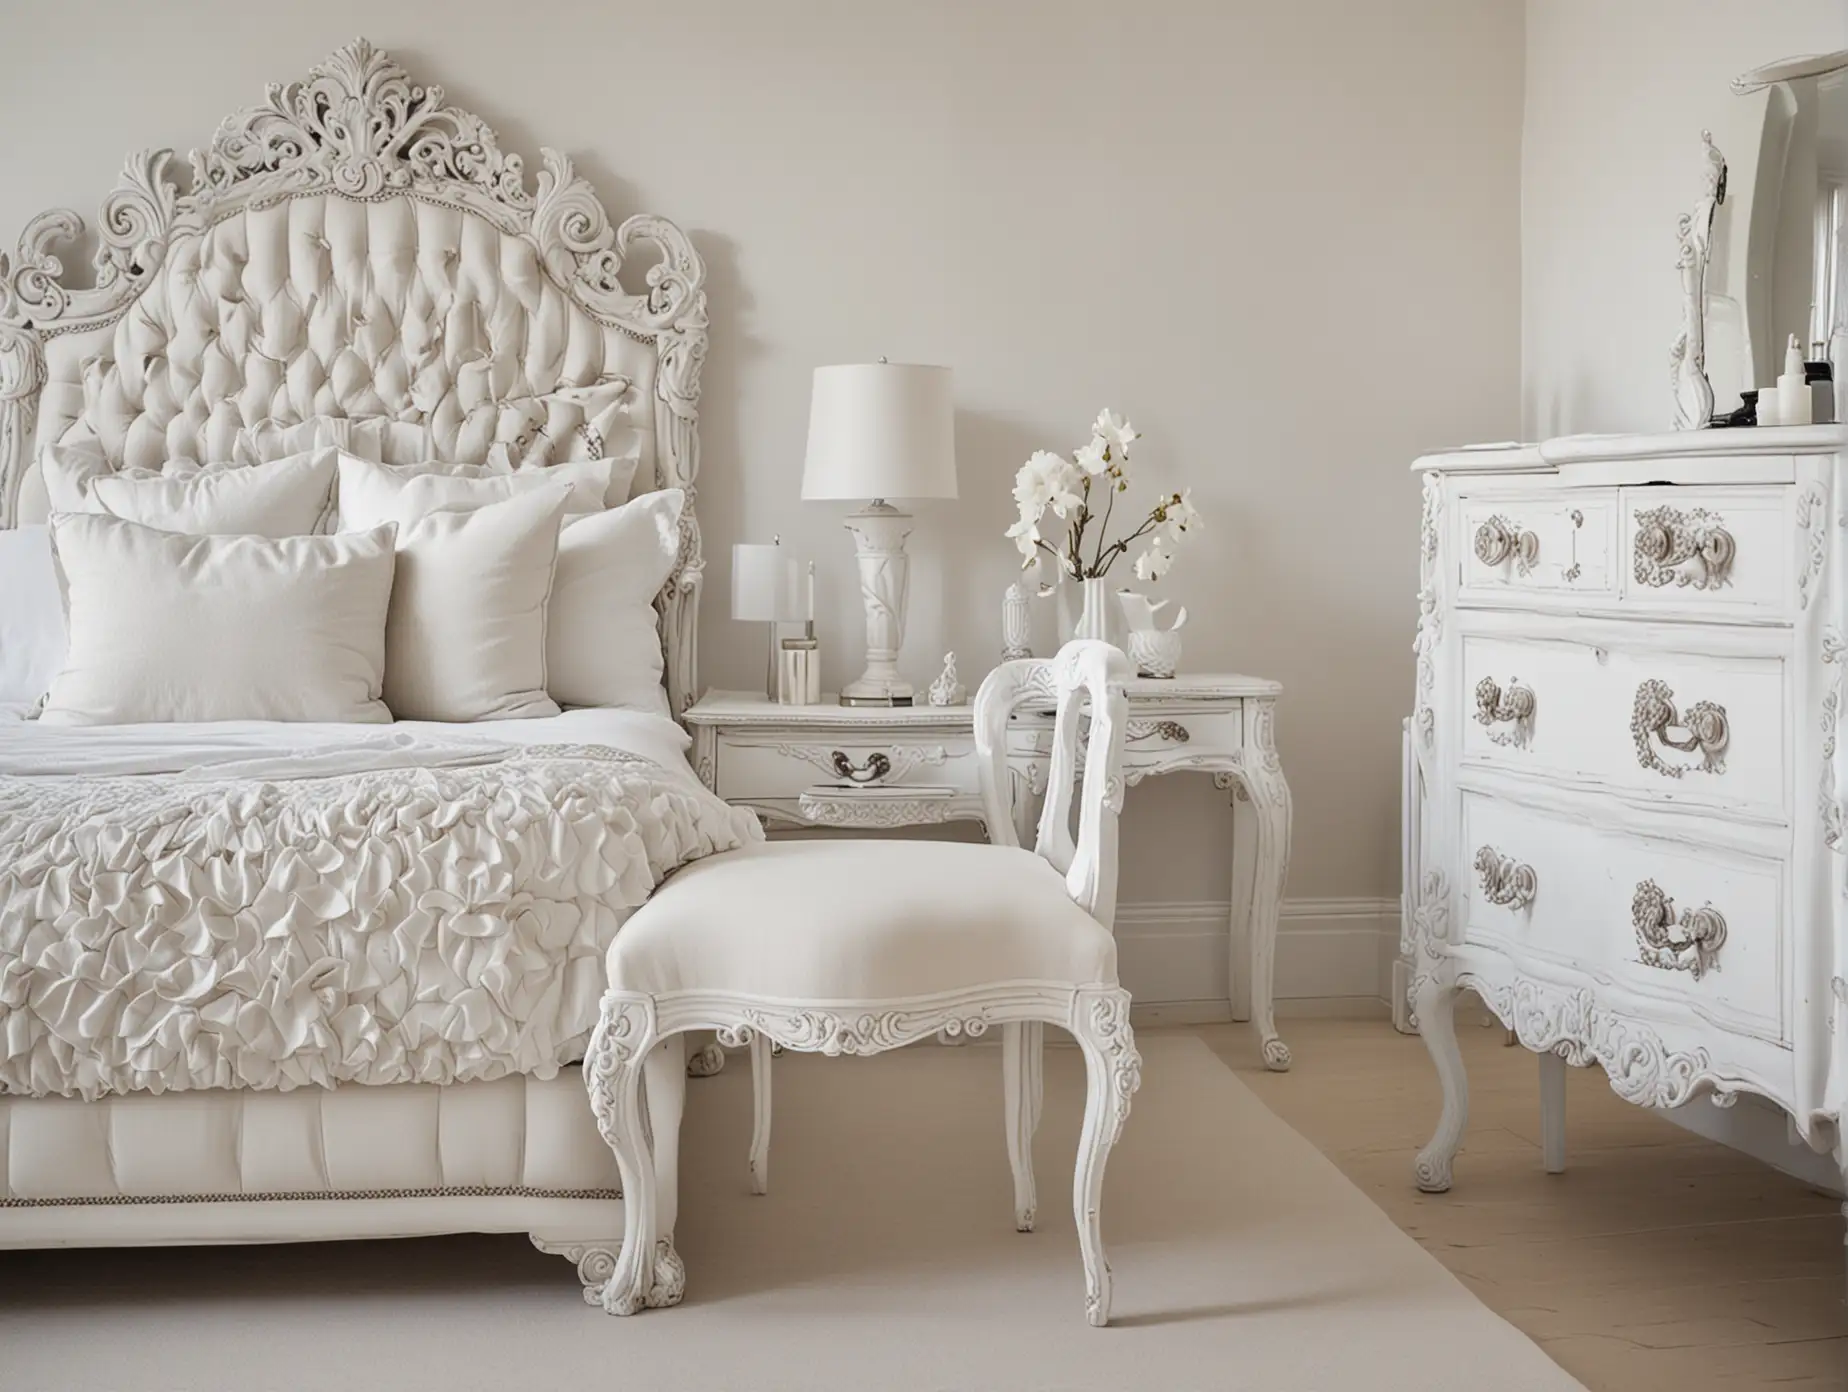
[(268, 906)]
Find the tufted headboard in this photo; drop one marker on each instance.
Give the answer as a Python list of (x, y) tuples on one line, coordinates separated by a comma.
[(354, 248)]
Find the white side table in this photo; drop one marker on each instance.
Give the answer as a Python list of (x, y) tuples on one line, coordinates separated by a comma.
[(841, 766)]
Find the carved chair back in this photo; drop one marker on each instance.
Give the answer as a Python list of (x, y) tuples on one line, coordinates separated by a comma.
[(1084, 674)]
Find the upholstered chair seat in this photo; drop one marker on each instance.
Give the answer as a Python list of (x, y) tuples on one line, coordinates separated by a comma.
[(858, 946), (859, 920)]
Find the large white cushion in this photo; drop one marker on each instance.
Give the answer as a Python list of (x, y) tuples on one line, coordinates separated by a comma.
[(32, 641), (854, 920), (288, 497), (282, 499), (371, 493), (466, 635), (165, 627), (603, 636)]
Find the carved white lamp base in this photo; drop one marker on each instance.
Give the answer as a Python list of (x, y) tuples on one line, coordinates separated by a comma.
[(879, 532)]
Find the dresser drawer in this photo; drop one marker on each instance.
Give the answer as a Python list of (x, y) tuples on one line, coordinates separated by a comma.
[(1686, 924), (1681, 727), (1729, 551), (1538, 542), (757, 765)]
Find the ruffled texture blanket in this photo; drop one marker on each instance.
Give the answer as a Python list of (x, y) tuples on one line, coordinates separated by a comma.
[(390, 924)]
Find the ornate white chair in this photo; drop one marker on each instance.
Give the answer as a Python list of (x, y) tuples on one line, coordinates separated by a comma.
[(858, 946)]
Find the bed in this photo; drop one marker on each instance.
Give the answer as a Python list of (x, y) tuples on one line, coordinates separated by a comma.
[(370, 1028)]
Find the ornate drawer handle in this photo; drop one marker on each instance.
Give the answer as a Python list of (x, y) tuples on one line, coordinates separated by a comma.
[(1686, 548), (1505, 880), (1696, 948), (1498, 539), (876, 767), (1497, 706), (1654, 715)]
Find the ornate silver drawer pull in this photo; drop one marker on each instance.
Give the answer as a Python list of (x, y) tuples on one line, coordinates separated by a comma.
[(1654, 716), (1695, 948), (876, 767), (1684, 548), (1505, 880), (1498, 540), (1496, 706)]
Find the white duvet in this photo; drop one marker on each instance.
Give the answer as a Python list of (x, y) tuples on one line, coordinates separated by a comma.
[(268, 906)]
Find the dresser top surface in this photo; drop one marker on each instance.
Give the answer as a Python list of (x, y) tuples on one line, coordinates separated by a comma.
[(1683, 444)]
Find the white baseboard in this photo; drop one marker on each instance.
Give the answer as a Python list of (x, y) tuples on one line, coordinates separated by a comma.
[(1177, 954)]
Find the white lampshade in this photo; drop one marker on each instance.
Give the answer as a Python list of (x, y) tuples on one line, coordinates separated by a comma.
[(764, 584), (881, 430)]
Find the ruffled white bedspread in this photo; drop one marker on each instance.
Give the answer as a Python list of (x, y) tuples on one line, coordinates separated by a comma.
[(376, 910)]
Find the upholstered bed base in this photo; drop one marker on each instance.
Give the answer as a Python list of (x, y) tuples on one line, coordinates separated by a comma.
[(515, 1155)]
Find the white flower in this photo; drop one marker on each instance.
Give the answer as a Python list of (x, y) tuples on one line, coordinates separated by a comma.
[(1116, 433), (1047, 480), (1180, 515), (1093, 458), (1153, 563), (1025, 536)]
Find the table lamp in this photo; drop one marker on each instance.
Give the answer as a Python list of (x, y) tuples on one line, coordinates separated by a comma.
[(764, 591), (879, 431)]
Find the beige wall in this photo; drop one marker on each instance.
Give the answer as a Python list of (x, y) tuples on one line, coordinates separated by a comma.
[(1617, 94), (1283, 238)]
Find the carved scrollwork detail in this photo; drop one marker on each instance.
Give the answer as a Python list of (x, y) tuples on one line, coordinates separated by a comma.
[(1513, 706), (1828, 807), (1653, 717), (1499, 540), (849, 810), (1170, 730), (1430, 617), (1505, 880), (1691, 549), (1694, 948)]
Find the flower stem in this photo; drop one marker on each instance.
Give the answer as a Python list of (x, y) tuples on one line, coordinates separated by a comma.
[(1103, 530)]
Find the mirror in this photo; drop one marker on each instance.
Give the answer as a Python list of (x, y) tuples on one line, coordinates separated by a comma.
[(1776, 257)]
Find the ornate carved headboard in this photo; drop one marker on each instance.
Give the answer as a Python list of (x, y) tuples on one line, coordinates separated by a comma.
[(353, 247)]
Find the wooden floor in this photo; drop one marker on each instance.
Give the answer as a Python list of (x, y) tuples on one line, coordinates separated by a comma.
[(1659, 1260)]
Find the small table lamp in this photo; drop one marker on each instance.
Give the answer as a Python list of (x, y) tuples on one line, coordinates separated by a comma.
[(764, 591), (877, 431)]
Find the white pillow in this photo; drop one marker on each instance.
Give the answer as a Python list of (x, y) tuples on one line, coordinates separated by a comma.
[(69, 472), (283, 499), (32, 642), (165, 627), (372, 493), (603, 637), (370, 437), (465, 639)]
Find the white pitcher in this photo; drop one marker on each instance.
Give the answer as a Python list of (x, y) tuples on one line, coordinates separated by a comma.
[(1156, 652)]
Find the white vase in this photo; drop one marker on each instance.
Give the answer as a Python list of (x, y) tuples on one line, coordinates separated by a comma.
[(1095, 611)]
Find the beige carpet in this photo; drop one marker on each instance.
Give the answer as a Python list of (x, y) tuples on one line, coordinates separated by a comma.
[(884, 1257)]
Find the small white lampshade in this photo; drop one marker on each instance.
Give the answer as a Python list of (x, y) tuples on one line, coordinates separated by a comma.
[(764, 584), (881, 430)]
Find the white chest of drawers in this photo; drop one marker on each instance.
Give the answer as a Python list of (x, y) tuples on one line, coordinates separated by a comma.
[(1628, 797)]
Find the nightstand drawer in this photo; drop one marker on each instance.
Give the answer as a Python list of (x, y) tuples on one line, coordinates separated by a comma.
[(775, 765)]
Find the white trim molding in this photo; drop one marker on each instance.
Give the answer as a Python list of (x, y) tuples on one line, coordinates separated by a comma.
[(1327, 949)]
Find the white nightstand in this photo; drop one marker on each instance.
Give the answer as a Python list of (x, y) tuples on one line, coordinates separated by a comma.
[(841, 766)]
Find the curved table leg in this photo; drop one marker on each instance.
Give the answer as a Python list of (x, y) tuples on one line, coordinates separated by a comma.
[(1263, 782)]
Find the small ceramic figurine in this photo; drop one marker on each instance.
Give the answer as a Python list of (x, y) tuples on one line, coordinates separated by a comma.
[(1156, 652), (946, 690), (1016, 623)]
